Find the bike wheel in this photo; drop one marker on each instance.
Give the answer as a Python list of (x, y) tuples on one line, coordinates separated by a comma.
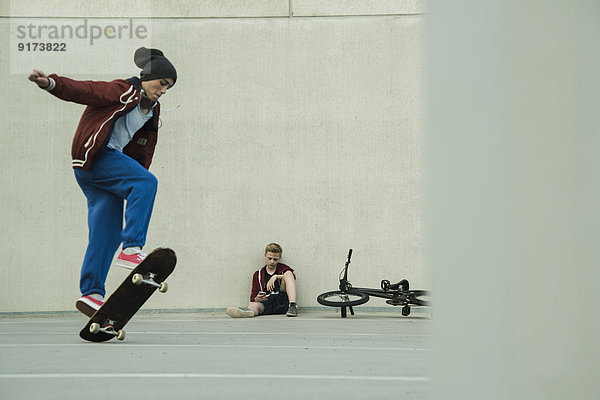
[(419, 297), (341, 299)]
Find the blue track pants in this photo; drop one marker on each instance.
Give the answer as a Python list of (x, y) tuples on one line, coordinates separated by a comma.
[(113, 178)]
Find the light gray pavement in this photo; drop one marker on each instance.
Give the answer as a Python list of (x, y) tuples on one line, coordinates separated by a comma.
[(371, 355)]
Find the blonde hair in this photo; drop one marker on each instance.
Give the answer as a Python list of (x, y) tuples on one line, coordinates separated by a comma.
[(273, 248)]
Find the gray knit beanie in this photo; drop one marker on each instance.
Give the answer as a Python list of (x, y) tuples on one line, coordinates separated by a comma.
[(154, 65)]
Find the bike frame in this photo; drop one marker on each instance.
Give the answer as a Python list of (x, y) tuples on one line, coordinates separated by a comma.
[(396, 294), (389, 292)]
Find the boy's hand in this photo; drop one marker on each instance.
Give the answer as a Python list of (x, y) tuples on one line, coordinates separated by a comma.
[(40, 78), (261, 298), (271, 283)]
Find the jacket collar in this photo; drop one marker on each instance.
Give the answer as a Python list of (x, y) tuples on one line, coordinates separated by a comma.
[(135, 81)]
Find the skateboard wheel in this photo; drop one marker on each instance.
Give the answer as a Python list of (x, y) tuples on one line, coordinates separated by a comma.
[(121, 335), (163, 287), (137, 279), (94, 328)]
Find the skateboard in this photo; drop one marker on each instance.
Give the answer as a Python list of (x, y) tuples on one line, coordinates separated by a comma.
[(142, 282)]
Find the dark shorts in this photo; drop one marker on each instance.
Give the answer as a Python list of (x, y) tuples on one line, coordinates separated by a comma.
[(276, 304)]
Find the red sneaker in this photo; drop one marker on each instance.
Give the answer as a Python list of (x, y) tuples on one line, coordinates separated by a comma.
[(89, 304), (130, 261)]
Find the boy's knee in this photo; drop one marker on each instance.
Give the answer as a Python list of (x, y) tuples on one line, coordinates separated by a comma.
[(152, 181), (149, 183), (288, 274)]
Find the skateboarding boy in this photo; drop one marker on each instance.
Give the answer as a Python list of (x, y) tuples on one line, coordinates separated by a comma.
[(273, 288), (112, 150)]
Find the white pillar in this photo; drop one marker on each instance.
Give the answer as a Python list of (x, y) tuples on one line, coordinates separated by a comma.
[(514, 196)]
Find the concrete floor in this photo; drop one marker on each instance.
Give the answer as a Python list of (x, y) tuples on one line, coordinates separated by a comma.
[(371, 355)]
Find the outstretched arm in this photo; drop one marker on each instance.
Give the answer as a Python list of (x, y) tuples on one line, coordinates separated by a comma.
[(40, 78), (90, 93)]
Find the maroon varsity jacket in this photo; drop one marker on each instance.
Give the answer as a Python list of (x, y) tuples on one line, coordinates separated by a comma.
[(106, 102), (258, 279)]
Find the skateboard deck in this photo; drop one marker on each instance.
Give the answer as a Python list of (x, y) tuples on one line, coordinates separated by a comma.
[(142, 282)]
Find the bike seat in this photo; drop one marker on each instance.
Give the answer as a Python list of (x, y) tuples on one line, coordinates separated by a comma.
[(386, 285)]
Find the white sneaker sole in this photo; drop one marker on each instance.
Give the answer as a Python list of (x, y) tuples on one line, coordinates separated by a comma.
[(126, 264)]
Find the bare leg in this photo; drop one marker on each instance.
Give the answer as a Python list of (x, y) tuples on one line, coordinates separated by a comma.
[(288, 283), (256, 307)]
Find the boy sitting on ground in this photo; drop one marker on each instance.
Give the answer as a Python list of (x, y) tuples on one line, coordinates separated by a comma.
[(273, 288)]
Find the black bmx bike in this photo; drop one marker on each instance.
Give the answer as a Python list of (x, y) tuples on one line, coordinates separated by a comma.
[(397, 294)]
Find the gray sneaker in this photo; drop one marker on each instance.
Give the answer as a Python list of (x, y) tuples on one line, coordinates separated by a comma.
[(238, 312), (292, 310)]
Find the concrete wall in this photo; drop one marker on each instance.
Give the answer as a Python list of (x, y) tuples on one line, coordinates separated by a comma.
[(299, 122)]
